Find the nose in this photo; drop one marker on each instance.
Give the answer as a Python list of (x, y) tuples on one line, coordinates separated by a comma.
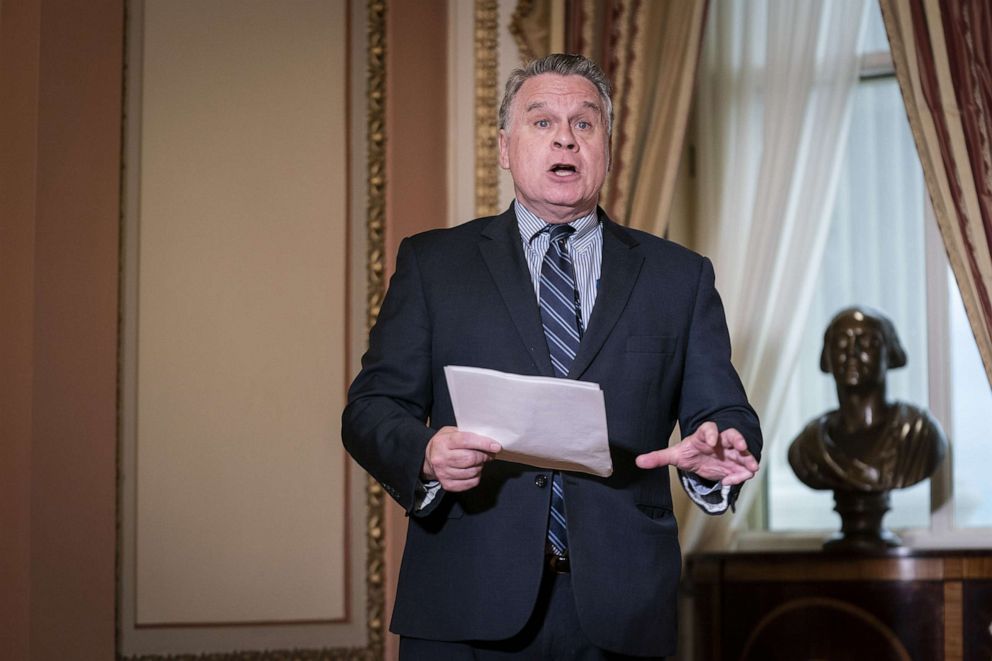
[(564, 138)]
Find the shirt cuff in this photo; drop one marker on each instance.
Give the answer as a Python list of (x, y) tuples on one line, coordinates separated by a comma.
[(712, 497), (426, 493)]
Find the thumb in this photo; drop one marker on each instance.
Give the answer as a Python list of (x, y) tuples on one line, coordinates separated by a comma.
[(658, 458)]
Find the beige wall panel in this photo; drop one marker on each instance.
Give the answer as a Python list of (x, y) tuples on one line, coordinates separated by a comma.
[(461, 112), (241, 340)]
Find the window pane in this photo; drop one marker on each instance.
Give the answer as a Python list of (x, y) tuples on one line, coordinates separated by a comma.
[(971, 401), (875, 39), (874, 257)]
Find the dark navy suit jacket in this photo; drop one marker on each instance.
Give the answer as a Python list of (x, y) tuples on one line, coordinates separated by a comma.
[(656, 343)]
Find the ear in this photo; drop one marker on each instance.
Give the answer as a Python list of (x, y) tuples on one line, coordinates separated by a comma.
[(896, 356), (504, 150), (825, 365)]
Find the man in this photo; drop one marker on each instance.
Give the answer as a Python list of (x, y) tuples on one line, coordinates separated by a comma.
[(504, 559)]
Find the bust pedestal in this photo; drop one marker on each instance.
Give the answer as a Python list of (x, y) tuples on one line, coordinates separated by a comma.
[(861, 522)]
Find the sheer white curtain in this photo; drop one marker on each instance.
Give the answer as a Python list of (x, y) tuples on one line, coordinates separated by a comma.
[(875, 256), (776, 83)]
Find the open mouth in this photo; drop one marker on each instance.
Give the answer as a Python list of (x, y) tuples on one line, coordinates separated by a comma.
[(563, 169)]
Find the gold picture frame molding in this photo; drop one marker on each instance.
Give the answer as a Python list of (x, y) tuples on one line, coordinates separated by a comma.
[(486, 98), (376, 283)]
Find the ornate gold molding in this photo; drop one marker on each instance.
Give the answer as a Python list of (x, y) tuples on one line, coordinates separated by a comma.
[(376, 143), (486, 100), (531, 28), (376, 214), (518, 28)]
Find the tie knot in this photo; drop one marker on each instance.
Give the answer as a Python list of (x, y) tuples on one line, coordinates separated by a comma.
[(559, 231)]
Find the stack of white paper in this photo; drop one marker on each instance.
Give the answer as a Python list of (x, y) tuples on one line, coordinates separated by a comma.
[(540, 421)]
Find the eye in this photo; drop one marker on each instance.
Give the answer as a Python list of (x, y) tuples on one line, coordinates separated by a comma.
[(542, 123), (583, 125)]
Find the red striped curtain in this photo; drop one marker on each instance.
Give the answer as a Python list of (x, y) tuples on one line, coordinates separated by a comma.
[(942, 50), (649, 49)]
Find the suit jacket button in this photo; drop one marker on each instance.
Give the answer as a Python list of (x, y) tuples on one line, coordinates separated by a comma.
[(541, 481)]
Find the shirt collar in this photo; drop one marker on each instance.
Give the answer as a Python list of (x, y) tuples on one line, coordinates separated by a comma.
[(530, 225)]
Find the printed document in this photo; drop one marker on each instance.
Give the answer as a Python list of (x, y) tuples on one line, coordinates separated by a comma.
[(540, 421)]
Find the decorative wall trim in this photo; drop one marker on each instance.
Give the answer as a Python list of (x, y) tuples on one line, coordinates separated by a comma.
[(534, 29), (376, 137), (486, 98), (376, 214), (518, 28)]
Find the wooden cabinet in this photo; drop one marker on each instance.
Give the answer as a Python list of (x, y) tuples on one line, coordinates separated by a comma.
[(901, 605)]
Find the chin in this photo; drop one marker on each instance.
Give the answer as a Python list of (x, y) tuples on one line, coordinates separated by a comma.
[(570, 203), (851, 379)]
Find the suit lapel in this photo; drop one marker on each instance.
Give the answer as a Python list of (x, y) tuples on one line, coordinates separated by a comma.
[(621, 264), (504, 256)]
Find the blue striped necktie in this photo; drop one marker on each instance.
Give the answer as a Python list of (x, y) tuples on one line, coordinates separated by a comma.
[(559, 302)]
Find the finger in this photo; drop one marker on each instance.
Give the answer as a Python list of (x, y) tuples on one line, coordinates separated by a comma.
[(741, 446), (742, 459), (455, 486), (747, 461), (731, 438), (658, 458), (455, 473), (737, 477), (746, 473), (444, 451), (468, 458), (707, 433), (742, 467), (470, 441)]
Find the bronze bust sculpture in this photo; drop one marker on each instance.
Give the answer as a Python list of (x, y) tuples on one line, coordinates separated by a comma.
[(867, 446)]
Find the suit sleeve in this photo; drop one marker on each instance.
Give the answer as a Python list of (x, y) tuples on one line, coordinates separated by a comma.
[(711, 388), (384, 424)]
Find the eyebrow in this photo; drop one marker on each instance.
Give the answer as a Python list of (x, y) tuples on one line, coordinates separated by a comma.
[(539, 105)]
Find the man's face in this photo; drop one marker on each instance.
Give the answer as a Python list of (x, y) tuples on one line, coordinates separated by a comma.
[(556, 146), (858, 352)]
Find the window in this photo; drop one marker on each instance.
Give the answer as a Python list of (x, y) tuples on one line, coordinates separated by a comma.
[(970, 403), (884, 251)]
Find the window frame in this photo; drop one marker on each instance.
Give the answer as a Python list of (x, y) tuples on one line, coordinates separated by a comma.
[(941, 532)]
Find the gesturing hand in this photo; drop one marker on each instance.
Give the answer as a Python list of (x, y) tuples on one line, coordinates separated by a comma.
[(709, 453), (455, 458)]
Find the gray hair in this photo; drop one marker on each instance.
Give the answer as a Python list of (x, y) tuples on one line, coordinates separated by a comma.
[(562, 65)]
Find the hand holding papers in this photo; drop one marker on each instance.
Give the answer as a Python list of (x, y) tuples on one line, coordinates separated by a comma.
[(541, 421)]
